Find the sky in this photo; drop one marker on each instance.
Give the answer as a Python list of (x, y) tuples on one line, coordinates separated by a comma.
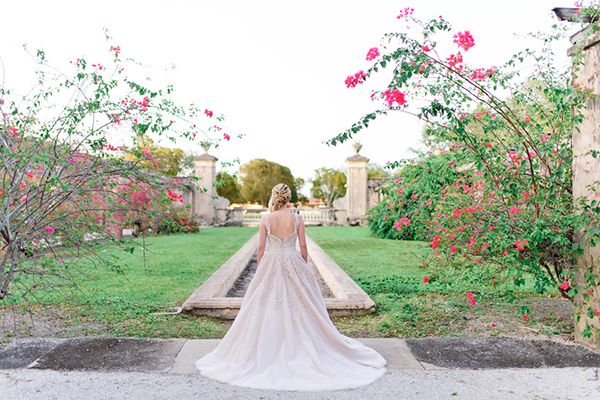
[(275, 69)]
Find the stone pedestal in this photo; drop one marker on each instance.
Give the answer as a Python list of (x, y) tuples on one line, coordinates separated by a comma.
[(203, 203), (357, 196), (586, 171)]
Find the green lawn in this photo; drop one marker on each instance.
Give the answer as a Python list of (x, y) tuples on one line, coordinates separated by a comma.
[(391, 272), (104, 302)]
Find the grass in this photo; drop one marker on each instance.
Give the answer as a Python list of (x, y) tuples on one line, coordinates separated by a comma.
[(391, 272), (101, 301), (105, 302)]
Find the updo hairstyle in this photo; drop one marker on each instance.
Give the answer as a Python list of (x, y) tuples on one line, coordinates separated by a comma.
[(280, 196)]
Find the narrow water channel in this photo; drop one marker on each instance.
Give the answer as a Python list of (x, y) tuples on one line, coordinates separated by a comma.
[(241, 284)]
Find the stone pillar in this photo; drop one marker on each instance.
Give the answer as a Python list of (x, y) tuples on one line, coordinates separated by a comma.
[(203, 204), (586, 171), (356, 185)]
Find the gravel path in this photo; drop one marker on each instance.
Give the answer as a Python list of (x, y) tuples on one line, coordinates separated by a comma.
[(503, 384)]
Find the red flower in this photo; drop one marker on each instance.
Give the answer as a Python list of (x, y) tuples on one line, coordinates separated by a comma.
[(526, 195), (425, 279), (425, 48), (565, 286), (514, 210), (394, 96), (30, 175), (435, 242), (455, 61), (226, 136), (356, 79), (464, 40), (174, 196), (521, 244), (208, 112), (372, 54), (471, 298)]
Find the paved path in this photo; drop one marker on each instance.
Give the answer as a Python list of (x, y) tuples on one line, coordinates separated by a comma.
[(431, 368)]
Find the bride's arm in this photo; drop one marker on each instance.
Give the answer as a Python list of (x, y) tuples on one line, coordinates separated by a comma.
[(302, 239), (262, 239)]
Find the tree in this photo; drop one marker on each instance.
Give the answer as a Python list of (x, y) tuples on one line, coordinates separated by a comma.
[(377, 171), (164, 160), (328, 185), (258, 178), (299, 183), (229, 187)]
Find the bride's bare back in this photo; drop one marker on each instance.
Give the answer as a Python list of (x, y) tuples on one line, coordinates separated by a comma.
[(282, 224)]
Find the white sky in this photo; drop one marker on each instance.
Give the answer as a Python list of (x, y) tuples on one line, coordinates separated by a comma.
[(276, 69)]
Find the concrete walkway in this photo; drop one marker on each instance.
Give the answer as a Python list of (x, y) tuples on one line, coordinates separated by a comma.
[(429, 368)]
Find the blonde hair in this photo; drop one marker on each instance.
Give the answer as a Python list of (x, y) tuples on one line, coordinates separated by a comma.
[(280, 196)]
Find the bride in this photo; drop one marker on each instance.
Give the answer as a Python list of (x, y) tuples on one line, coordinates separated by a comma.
[(282, 337)]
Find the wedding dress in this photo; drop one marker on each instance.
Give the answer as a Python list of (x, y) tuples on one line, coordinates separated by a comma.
[(282, 337)]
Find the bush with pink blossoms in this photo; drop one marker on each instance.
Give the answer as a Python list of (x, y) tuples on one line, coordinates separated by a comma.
[(510, 205)]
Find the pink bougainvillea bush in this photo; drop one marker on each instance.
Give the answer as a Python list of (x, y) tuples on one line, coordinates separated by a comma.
[(506, 131), (70, 174)]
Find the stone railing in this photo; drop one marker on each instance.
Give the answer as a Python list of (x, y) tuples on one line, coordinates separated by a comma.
[(311, 216)]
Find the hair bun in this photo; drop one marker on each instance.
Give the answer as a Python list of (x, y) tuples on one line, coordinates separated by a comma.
[(280, 196)]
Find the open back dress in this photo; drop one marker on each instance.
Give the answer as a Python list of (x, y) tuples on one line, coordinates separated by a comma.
[(282, 337)]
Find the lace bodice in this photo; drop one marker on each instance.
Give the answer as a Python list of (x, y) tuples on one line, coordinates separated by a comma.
[(274, 242)]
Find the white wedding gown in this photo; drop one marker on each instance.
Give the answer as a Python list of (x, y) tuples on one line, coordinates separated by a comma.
[(282, 337)]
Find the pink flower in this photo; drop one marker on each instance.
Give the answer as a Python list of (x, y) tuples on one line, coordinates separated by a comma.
[(30, 175), (526, 195), (394, 96), (405, 12), (356, 79), (49, 229), (464, 40), (372, 54), (425, 279), (514, 210), (565, 286), (226, 136), (208, 112), (481, 74), (425, 48), (455, 61), (116, 49), (544, 137)]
